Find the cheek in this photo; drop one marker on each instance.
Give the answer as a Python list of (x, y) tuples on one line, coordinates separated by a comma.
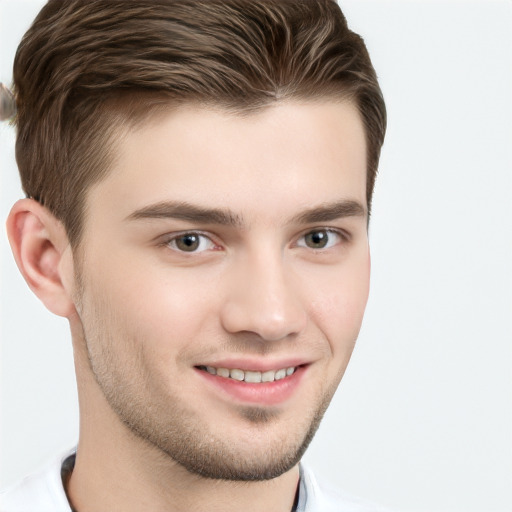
[(338, 308), (162, 310)]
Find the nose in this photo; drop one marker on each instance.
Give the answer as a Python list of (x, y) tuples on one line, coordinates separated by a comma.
[(263, 300)]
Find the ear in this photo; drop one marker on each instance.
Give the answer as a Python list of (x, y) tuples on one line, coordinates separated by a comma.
[(43, 254)]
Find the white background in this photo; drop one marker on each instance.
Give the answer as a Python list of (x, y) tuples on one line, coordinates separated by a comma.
[(423, 418)]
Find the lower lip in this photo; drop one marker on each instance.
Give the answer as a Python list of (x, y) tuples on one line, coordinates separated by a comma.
[(265, 393)]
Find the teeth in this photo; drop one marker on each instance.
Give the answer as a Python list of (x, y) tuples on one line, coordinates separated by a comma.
[(237, 374), (252, 376), (268, 376), (280, 374), (249, 375), (223, 372)]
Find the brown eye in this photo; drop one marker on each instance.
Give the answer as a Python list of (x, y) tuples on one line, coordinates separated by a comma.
[(190, 242), (319, 239)]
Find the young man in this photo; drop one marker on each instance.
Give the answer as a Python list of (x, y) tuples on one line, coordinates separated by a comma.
[(199, 178)]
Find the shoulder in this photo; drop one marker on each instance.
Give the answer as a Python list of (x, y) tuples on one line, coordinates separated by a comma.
[(320, 497), (41, 491)]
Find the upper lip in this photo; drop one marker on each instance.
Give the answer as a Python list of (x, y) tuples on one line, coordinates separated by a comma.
[(257, 365)]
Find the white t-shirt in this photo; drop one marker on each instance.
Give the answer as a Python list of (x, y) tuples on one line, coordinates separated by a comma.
[(44, 492)]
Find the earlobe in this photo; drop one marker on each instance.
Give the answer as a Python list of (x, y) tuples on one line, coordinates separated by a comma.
[(40, 246)]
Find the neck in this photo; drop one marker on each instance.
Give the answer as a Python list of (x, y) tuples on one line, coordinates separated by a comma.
[(107, 479), (116, 470)]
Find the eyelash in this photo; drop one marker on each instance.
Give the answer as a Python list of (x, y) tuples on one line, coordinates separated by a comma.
[(171, 241), (342, 236)]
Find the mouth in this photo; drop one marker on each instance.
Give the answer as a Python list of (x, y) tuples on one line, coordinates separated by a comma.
[(264, 387), (250, 376)]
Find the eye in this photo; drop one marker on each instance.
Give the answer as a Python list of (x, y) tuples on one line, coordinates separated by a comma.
[(320, 239), (191, 242)]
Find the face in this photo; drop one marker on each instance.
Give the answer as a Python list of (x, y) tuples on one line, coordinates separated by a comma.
[(224, 275)]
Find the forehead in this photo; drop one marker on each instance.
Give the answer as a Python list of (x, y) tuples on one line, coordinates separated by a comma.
[(290, 155)]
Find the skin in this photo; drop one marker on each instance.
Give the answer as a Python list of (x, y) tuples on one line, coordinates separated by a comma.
[(155, 432)]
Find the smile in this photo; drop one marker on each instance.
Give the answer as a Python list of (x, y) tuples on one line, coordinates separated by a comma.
[(250, 376)]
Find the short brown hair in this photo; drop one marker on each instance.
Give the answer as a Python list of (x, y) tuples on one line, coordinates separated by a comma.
[(88, 68)]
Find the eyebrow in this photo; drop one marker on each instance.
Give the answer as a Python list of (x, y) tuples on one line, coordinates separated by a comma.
[(331, 211), (187, 212), (200, 215)]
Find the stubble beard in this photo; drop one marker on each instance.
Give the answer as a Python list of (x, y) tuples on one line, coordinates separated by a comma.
[(189, 441), (215, 458), (174, 429), (180, 433)]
